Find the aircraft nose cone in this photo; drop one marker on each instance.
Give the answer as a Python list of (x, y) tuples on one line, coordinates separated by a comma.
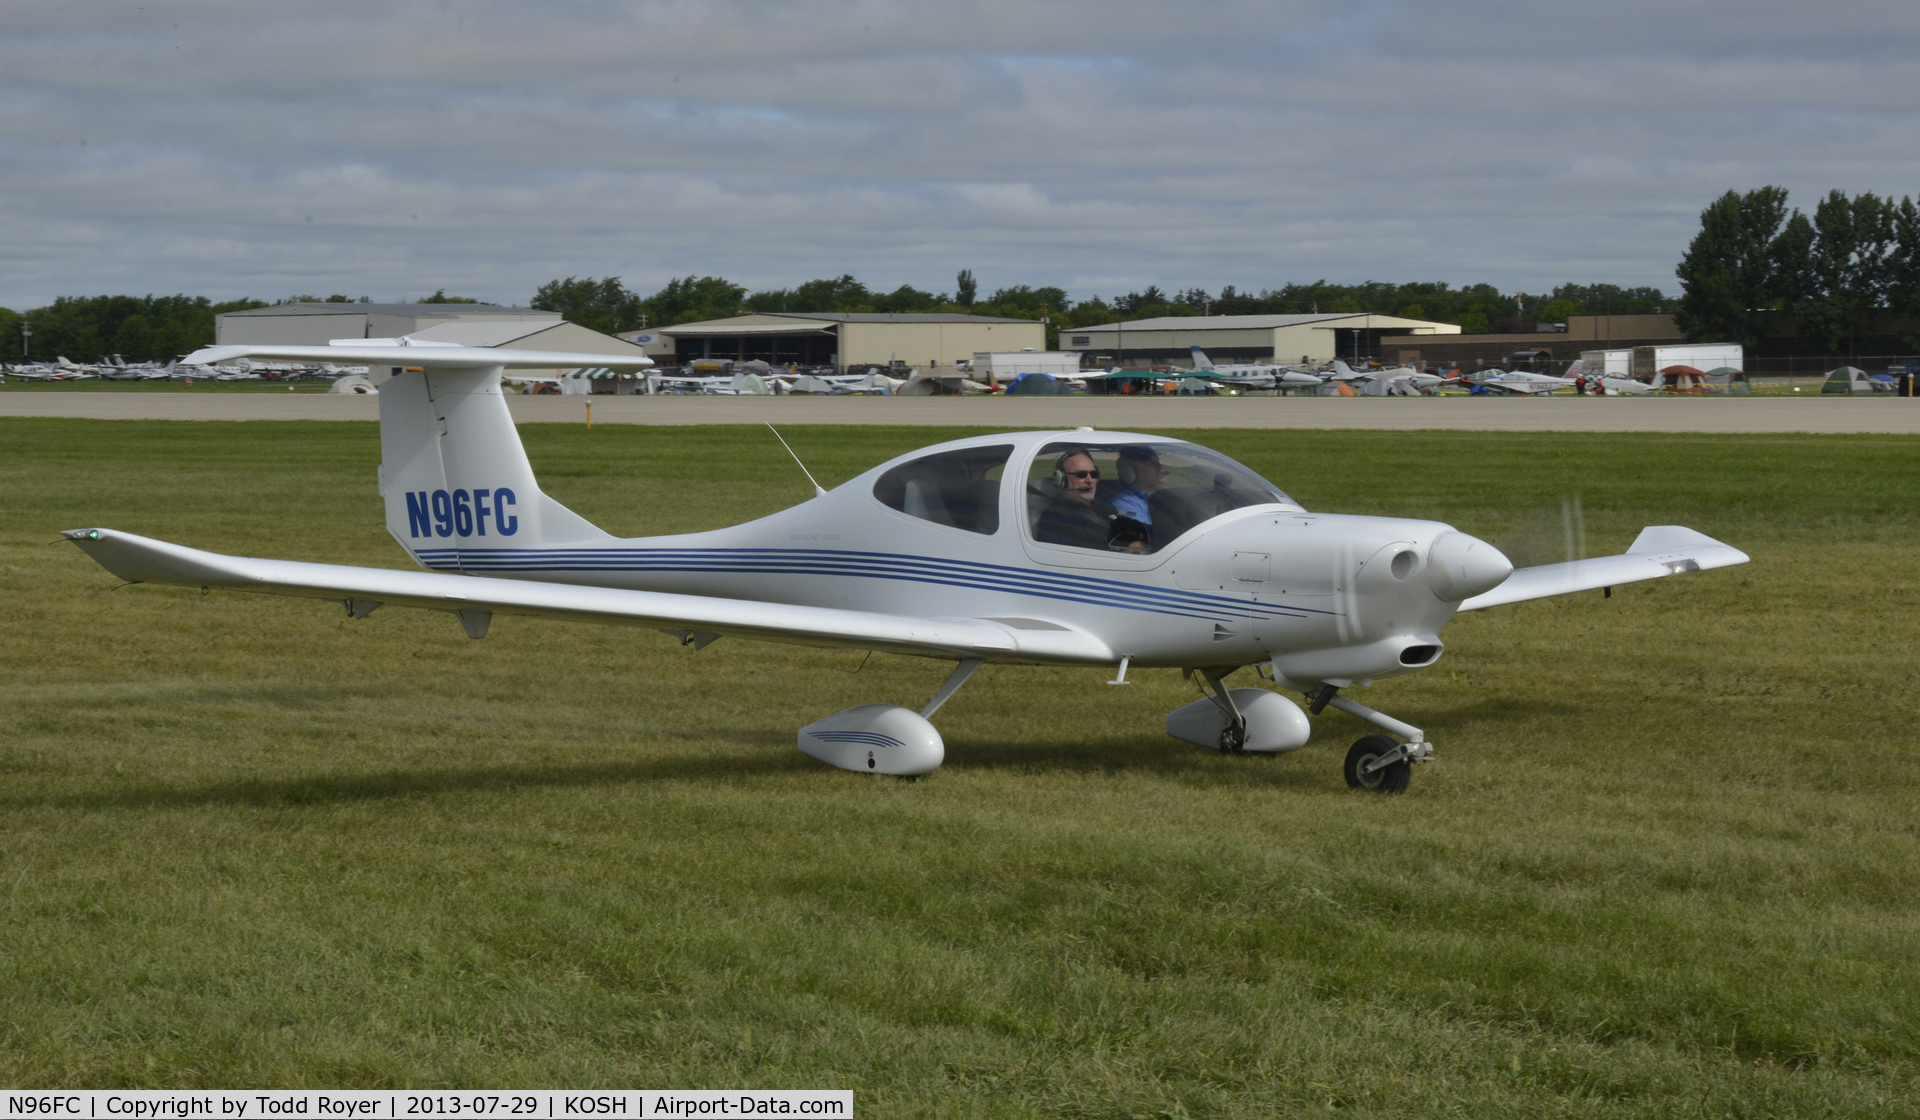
[(1460, 567)]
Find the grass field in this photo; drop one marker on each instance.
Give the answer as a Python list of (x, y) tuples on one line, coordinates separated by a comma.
[(1665, 865)]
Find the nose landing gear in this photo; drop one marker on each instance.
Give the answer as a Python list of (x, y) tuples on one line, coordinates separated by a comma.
[(1376, 762)]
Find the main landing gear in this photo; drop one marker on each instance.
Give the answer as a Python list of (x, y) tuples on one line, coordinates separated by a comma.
[(1376, 762), (1256, 720)]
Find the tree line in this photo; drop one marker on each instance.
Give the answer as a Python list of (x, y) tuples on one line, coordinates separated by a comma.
[(607, 305), (159, 328), (1754, 260)]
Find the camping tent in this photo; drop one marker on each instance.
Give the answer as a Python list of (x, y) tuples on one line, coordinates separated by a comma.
[(1034, 385), (1680, 379), (1726, 379), (1847, 379)]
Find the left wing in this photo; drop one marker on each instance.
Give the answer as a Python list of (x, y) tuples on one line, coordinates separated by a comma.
[(477, 598), (1659, 551)]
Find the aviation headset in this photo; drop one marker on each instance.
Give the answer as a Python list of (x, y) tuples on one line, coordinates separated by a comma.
[(1128, 468), (1060, 464)]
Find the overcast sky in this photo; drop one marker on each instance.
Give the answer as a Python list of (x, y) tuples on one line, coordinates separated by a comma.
[(391, 148)]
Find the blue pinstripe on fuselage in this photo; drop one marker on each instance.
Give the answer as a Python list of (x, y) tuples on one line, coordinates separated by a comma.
[(1033, 582)]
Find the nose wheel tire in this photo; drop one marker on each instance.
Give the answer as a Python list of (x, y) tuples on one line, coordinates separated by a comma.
[(1392, 778)]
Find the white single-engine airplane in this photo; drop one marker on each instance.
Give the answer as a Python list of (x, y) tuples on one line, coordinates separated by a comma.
[(1002, 548)]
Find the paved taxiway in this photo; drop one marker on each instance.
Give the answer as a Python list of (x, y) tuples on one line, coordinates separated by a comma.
[(1888, 415)]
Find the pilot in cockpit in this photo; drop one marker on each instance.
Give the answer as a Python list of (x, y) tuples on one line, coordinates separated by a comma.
[(1075, 516)]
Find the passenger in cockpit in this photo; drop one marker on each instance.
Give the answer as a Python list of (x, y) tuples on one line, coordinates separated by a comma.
[(1140, 476)]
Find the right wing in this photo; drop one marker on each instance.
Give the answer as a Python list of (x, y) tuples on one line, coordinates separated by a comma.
[(476, 598)]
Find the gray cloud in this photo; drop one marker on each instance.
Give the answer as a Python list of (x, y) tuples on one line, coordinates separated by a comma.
[(390, 149)]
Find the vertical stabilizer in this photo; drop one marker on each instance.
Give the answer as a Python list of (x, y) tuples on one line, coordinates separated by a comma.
[(454, 474), (1200, 359)]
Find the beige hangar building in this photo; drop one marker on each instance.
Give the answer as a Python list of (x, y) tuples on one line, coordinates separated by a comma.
[(1302, 339), (846, 339)]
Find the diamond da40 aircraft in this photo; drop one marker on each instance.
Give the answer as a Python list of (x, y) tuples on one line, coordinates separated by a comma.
[(1001, 548)]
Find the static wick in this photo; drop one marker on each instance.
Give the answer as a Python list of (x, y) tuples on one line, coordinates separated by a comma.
[(818, 490)]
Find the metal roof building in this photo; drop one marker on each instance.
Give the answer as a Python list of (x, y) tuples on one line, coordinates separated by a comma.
[(1308, 339), (851, 338), (316, 324)]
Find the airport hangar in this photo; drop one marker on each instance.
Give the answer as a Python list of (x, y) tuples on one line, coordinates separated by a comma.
[(847, 339), (1305, 339)]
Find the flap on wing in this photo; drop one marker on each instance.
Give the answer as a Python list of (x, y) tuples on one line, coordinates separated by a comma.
[(1659, 550), (145, 560)]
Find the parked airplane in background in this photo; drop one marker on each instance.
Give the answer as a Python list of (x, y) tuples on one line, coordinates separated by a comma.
[(1251, 376), (999, 548), (1400, 381), (1519, 381)]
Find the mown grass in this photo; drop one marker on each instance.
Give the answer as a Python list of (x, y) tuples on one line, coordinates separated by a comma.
[(1664, 867)]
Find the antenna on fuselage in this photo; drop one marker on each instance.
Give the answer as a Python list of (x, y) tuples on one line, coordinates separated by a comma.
[(818, 490)]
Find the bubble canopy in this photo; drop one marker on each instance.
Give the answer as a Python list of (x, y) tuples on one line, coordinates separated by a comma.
[(1111, 494), (1148, 492)]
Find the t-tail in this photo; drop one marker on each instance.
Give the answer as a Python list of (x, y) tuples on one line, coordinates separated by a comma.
[(455, 475), (452, 469), (1200, 359)]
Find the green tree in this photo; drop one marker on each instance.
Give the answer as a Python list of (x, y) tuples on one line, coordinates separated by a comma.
[(1091, 312), (1612, 299), (693, 298), (1023, 302), (965, 288), (10, 340), (141, 328), (1730, 275), (134, 339), (907, 299), (602, 305), (1473, 321), (1848, 268), (1903, 267), (843, 293), (440, 296), (1556, 311)]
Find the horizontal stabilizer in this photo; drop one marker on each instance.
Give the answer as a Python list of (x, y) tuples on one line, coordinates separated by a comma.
[(1659, 550), (385, 352), (144, 560)]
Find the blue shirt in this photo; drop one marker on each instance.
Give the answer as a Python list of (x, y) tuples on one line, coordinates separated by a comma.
[(1132, 503)]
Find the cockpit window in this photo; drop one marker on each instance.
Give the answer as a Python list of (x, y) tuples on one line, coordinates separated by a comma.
[(1134, 497), (956, 488)]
